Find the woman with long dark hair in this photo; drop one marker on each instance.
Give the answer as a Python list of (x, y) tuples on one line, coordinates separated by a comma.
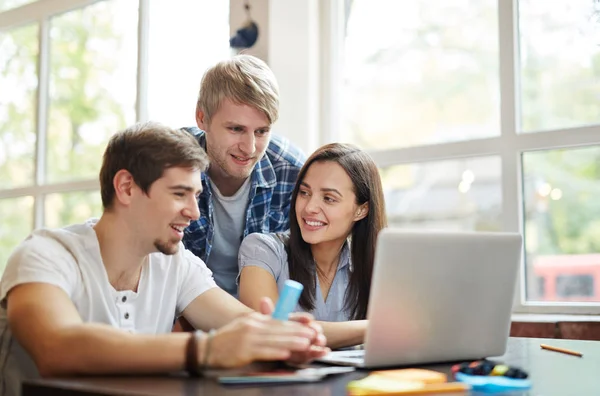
[(336, 213)]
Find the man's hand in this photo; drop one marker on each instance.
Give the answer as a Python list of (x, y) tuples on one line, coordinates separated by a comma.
[(257, 336), (318, 342)]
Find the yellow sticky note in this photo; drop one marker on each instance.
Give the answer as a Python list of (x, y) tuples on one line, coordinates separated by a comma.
[(374, 384), (377, 384), (414, 374)]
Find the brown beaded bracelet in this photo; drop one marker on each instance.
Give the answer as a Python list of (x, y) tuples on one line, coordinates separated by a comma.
[(192, 365), (191, 354)]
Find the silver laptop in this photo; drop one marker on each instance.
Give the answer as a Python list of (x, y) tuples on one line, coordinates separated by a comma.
[(437, 297)]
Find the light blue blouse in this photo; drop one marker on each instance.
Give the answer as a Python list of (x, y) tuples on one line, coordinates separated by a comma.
[(267, 251)]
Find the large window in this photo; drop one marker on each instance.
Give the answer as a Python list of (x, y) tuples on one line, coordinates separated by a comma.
[(484, 115), (72, 74), (462, 200), (562, 223), (420, 72)]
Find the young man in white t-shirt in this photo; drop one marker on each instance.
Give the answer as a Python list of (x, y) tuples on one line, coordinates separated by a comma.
[(101, 297)]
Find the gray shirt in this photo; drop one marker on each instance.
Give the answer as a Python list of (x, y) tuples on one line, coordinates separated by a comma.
[(267, 251), (229, 220)]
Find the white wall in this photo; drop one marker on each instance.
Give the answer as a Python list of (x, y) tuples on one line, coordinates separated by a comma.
[(259, 12), (288, 42)]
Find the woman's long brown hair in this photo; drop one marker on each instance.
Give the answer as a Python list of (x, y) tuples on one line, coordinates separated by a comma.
[(366, 181)]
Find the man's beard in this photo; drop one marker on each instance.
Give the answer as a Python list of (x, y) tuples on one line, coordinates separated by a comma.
[(168, 248), (221, 162)]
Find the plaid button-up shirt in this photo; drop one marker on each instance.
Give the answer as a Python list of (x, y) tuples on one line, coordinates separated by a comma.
[(272, 182)]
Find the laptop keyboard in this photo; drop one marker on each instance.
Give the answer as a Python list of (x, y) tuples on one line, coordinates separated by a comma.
[(353, 358), (352, 354)]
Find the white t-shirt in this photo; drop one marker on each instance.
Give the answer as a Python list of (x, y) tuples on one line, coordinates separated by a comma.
[(229, 214), (70, 259)]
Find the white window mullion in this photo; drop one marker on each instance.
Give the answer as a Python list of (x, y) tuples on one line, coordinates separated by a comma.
[(66, 187), (332, 19), (508, 48), (38, 210), (437, 152), (515, 143), (142, 65), (560, 138), (508, 52), (39, 10), (42, 119)]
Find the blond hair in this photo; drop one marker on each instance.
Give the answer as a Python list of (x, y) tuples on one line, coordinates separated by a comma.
[(243, 79)]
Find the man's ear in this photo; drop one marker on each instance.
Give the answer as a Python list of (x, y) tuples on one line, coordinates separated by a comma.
[(124, 185), (201, 120), (362, 212)]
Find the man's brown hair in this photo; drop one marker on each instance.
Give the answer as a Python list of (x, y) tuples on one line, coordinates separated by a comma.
[(145, 150)]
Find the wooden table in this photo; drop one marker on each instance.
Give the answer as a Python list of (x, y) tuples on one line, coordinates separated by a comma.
[(552, 373)]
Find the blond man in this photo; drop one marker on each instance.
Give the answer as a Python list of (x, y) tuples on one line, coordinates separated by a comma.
[(252, 173), (101, 297)]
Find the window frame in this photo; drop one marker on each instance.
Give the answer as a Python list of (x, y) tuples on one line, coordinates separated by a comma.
[(509, 145), (40, 13)]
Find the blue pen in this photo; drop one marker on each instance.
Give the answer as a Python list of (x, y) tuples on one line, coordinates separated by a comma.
[(288, 299)]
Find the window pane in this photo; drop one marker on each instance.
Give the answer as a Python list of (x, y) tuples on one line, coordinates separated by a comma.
[(17, 222), (8, 4), (420, 72), (175, 71), (92, 85), (562, 224), (64, 209), (462, 195), (18, 79), (560, 64)]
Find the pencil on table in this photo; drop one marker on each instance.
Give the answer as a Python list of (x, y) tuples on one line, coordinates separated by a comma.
[(561, 350)]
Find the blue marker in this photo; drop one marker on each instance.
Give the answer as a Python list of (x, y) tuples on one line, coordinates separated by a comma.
[(288, 299)]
